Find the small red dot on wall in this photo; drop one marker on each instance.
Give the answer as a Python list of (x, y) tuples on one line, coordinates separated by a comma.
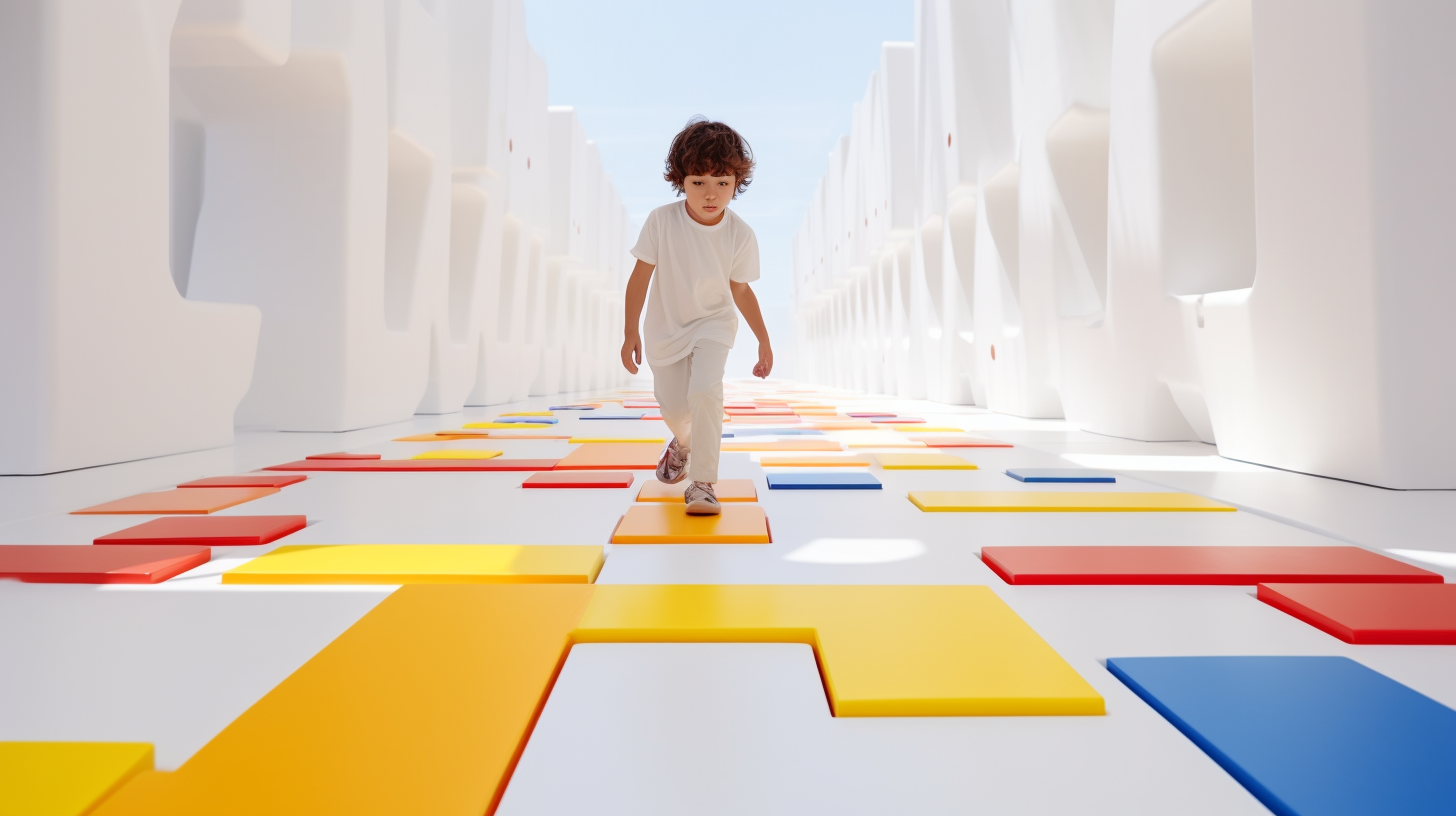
[(947, 140), (528, 162), (993, 352), (510, 145)]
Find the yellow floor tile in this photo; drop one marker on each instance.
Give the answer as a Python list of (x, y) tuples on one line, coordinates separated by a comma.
[(890, 651), (458, 454), (922, 461), (727, 490), (502, 426), (973, 501), (65, 778), (666, 523), (420, 707), (422, 564)]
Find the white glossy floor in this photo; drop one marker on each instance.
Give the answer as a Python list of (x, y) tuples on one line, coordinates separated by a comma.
[(713, 728)]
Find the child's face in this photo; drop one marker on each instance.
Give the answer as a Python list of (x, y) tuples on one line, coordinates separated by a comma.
[(708, 196)]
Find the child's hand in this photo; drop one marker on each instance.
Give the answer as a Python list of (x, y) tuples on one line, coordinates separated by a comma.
[(765, 361), (632, 352)]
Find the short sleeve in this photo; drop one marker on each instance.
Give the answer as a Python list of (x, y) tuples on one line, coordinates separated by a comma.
[(646, 248), (745, 258)]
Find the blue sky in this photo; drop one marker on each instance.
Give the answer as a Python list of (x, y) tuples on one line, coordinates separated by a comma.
[(784, 73)]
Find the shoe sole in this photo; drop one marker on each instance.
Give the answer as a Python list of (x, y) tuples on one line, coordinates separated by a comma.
[(704, 509)]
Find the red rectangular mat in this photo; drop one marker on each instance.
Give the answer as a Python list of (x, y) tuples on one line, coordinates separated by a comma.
[(265, 480), (1424, 614), (209, 531), (84, 564), (409, 465), (1198, 565)]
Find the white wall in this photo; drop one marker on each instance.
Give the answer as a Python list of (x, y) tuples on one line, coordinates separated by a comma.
[(1163, 219), (101, 359), (292, 214)]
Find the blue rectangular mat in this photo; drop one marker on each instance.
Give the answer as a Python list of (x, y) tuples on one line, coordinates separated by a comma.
[(823, 481), (1061, 475), (1308, 736)]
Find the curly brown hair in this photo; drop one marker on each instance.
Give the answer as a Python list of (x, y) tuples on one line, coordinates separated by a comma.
[(706, 148)]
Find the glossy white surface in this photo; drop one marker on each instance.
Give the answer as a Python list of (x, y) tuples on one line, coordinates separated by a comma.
[(744, 728), (712, 728)]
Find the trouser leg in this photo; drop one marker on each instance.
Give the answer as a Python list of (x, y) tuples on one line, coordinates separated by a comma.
[(705, 403), (670, 386)]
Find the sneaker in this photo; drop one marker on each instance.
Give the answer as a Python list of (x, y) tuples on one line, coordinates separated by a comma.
[(700, 499), (673, 465)]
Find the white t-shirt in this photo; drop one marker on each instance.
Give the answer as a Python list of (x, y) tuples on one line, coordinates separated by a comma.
[(690, 298)]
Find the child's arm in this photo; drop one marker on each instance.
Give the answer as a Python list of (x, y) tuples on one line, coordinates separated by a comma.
[(748, 305), (636, 296)]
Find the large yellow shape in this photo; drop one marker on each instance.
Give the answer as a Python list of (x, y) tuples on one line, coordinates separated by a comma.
[(922, 461), (885, 651), (1019, 501), (424, 705), (460, 453), (504, 426), (422, 564), (664, 523), (421, 707), (65, 778)]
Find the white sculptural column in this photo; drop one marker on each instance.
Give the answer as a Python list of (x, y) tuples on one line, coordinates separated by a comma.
[(102, 359)]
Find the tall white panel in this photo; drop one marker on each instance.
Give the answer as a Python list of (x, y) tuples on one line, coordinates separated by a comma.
[(1338, 361), (1112, 360), (295, 221), (102, 359)]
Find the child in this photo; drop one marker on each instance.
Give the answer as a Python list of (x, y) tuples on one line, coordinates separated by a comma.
[(704, 257)]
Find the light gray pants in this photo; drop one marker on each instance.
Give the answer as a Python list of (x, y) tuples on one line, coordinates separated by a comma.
[(690, 393)]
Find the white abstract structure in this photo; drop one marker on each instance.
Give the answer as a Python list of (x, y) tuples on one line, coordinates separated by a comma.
[(361, 222), (1163, 219)]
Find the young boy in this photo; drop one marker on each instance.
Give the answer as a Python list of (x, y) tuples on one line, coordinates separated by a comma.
[(704, 257)]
